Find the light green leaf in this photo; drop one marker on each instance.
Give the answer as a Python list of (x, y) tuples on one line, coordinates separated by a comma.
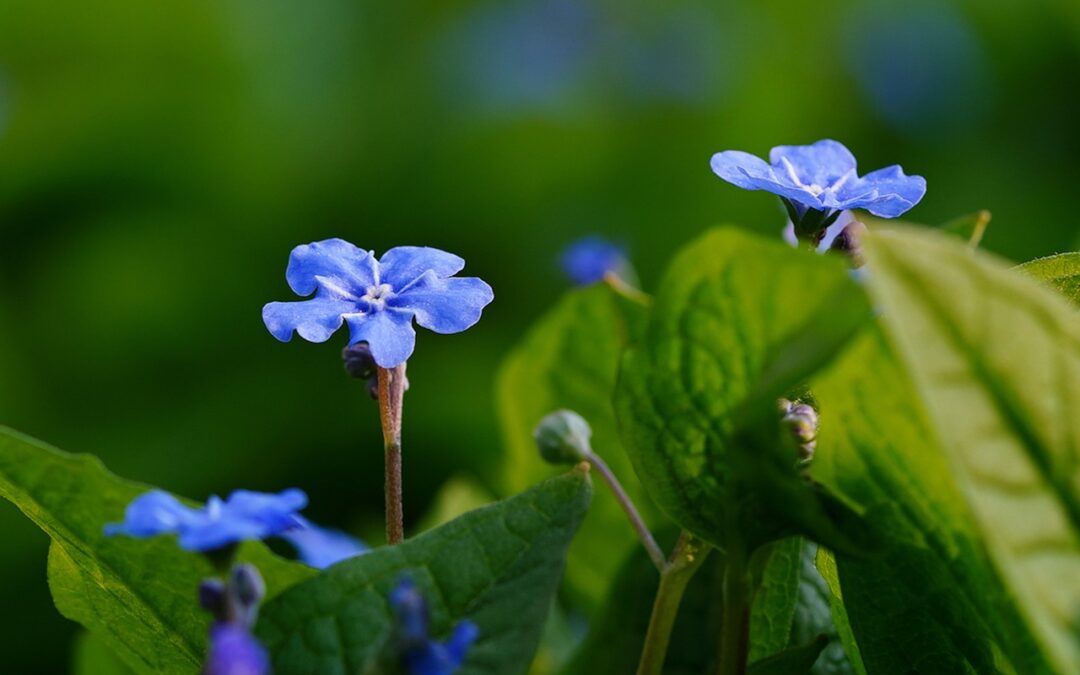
[(826, 566), (996, 358), (738, 322), (1061, 272), (138, 596), (498, 566), (877, 450), (568, 360)]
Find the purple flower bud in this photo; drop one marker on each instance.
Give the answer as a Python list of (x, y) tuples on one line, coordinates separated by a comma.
[(233, 651)]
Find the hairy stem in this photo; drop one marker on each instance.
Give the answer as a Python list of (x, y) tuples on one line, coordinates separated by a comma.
[(643, 533), (736, 617), (391, 397), (676, 574)]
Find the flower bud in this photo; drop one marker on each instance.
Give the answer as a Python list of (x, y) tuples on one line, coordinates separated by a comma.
[(563, 438), (212, 597), (802, 422), (359, 362), (847, 242), (248, 585)]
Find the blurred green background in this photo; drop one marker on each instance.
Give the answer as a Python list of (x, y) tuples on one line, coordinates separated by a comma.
[(158, 160)]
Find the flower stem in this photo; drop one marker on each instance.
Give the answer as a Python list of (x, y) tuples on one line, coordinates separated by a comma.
[(643, 533), (676, 574), (734, 629), (391, 398)]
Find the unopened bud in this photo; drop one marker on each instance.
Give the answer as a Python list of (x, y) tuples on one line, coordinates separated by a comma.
[(563, 438), (212, 597), (248, 585), (848, 243), (359, 362), (802, 422)]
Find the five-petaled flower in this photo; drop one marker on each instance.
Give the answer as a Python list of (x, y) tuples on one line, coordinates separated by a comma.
[(378, 299), (418, 652), (817, 182)]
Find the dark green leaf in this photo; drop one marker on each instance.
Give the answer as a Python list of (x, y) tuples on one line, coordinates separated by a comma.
[(791, 661), (777, 593), (568, 360), (498, 566), (1061, 272), (138, 596), (826, 566), (738, 322)]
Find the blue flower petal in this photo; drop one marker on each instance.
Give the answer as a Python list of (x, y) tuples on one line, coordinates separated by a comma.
[(464, 635), (314, 320), (886, 193), (445, 305), (276, 511), (215, 534), (742, 169), (321, 547), (588, 259), (822, 163), (344, 265), (402, 265), (389, 333), (153, 513)]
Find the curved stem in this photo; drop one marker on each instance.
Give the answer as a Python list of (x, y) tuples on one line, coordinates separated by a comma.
[(643, 533), (676, 574), (736, 616), (391, 398)]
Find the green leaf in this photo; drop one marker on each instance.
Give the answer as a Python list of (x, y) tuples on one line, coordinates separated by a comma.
[(773, 610), (791, 661), (138, 596), (569, 360), (877, 450), (738, 322), (996, 358), (498, 566), (92, 657), (826, 566), (1061, 272)]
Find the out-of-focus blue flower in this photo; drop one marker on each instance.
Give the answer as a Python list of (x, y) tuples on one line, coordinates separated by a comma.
[(919, 64), (419, 653), (821, 180), (378, 299), (321, 547), (233, 651), (244, 515), (588, 259)]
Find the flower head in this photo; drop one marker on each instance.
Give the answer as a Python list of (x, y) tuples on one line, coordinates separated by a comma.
[(378, 299), (587, 260), (244, 515), (320, 547), (233, 651), (419, 653), (820, 180)]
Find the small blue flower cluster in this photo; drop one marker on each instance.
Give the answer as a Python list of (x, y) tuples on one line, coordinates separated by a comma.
[(420, 654)]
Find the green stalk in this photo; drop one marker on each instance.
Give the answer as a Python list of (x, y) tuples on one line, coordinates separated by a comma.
[(736, 616), (685, 560)]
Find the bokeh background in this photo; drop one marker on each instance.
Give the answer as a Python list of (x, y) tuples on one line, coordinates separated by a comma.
[(158, 160)]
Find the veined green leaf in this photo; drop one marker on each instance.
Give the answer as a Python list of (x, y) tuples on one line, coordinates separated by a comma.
[(1061, 272), (138, 596), (91, 656), (738, 322), (791, 661), (498, 566), (876, 448), (568, 360), (826, 566), (996, 359)]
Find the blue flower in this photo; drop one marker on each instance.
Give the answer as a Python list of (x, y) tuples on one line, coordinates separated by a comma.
[(419, 653), (819, 181), (321, 547), (378, 299), (244, 515), (233, 651), (588, 259)]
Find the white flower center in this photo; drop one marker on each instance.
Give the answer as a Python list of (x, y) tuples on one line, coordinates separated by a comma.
[(378, 294), (815, 189)]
